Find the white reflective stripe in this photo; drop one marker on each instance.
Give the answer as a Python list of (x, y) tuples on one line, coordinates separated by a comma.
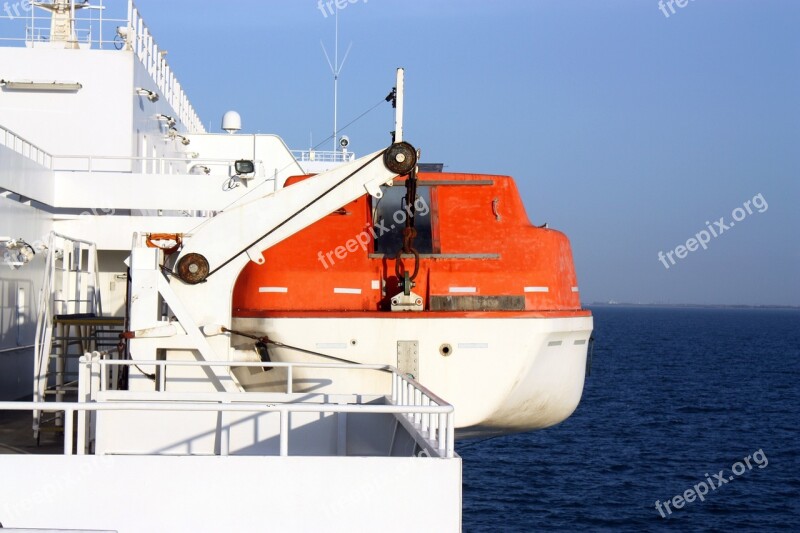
[(471, 345), (273, 289), (376, 284), (574, 289), (463, 289), (537, 289), (345, 290), (332, 345)]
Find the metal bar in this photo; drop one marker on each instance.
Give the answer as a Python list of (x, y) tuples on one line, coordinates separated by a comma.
[(61, 362), (341, 434), (225, 435), (289, 379), (417, 401), (26, 347), (434, 420), (442, 256), (441, 410), (450, 434), (353, 366), (442, 426), (68, 433), (284, 450), (84, 395), (426, 418)]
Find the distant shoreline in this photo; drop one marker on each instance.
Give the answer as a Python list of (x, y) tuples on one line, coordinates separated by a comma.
[(694, 306)]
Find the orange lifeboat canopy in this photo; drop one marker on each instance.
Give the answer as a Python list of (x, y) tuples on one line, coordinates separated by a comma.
[(479, 253)]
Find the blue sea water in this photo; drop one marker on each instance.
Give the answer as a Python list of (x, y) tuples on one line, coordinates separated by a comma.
[(674, 394)]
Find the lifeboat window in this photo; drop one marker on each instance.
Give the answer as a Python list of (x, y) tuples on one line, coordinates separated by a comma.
[(390, 215)]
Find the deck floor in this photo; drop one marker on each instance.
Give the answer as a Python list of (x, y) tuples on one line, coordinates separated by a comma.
[(16, 436)]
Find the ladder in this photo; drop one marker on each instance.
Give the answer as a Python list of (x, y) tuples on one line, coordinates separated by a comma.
[(69, 323)]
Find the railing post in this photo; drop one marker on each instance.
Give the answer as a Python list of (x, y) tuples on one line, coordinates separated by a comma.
[(426, 418), (289, 378), (417, 402), (284, 435), (225, 434), (451, 432), (68, 433), (96, 374), (433, 424), (442, 426), (394, 388), (84, 396)]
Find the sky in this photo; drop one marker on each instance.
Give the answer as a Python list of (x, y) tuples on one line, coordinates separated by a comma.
[(631, 127)]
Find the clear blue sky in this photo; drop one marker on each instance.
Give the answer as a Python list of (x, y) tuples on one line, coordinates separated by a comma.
[(624, 128)]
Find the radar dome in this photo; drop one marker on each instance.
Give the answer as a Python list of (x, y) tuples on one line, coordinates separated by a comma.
[(231, 122)]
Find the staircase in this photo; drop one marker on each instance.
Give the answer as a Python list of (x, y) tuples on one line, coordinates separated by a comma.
[(70, 322)]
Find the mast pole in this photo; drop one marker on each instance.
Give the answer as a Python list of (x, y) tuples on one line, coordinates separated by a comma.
[(336, 84)]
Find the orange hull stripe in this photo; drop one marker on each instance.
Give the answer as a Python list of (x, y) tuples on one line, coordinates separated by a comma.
[(242, 313)]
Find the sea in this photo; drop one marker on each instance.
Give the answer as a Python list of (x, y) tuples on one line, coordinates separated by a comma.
[(678, 399)]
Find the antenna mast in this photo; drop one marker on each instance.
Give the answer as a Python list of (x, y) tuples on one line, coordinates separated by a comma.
[(336, 69)]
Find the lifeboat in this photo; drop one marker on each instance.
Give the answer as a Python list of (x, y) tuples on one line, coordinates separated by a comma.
[(473, 301)]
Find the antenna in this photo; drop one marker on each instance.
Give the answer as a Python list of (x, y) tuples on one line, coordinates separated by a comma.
[(336, 69)]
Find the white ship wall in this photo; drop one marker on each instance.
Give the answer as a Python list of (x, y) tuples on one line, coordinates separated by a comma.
[(19, 293), (148, 133), (235, 493), (272, 157), (95, 120), (92, 120)]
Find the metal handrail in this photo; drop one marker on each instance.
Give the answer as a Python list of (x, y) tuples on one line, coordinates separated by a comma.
[(69, 408), (423, 410), (323, 156), (90, 159), (398, 377), (43, 157)]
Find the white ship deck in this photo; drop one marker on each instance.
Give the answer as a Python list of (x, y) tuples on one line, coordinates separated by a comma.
[(172, 461)]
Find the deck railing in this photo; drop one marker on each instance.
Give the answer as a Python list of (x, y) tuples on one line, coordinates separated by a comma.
[(24, 147), (323, 156), (429, 419)]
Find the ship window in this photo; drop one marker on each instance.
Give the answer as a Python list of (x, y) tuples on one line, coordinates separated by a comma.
[(390, 220)]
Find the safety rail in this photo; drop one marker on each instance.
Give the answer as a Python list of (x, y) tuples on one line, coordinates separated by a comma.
[(146, 49), (423, 410), (148, 165), (41, 34), (25, 148), (69, 410), (38, 27), (70, 286), (323, 156)]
